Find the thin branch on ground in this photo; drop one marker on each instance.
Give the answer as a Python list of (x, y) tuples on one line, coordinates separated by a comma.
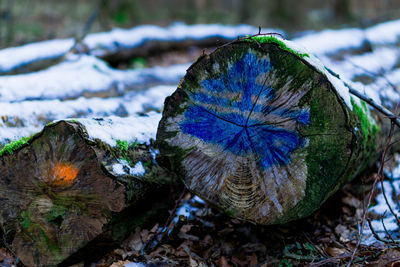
[(388, 204), (377, 237), (162, 231), (86, 27), (394, 193), (385, 229), (378, 177), (369, 100), (251, 38)]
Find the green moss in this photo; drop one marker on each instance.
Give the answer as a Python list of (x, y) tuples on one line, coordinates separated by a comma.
[(230, 213), (271, 39), (26, 218), (13, 146), (147, 164), (367, 127), (375, 130), (123, 146)]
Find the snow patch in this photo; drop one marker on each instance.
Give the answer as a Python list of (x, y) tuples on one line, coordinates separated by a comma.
[(381, 60), (123, 168), (132, 129), (135, 264), (392, 190), (330, 41)]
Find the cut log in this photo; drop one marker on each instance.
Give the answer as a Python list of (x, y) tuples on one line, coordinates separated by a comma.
[(261, 130), (78, 183)]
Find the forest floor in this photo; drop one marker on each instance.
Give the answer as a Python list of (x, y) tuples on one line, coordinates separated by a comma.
[(205, 237), (201, 236)]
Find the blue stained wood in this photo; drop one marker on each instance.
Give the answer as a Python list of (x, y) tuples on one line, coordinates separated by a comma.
[(239, 131), (260, 133)]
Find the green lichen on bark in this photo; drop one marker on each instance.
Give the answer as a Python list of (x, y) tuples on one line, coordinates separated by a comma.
[(368, 126)]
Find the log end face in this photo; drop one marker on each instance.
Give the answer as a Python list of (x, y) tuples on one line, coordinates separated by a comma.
[(57, 195), (256, 131)]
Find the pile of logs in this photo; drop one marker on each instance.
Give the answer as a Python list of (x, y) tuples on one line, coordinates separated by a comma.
[(259, 128)]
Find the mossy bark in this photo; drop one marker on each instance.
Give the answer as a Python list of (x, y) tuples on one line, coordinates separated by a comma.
[(259, 130), (59, 193)]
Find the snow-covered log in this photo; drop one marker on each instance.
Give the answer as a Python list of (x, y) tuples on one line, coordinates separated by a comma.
[(122, 44), (19, 119), (262, 130), (79, 183), (83, 76), (119, 44)]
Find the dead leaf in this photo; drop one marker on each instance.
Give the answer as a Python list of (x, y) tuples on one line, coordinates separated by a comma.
[(333, 252), (352, 202), (390, 257), (343, 232), (223, 262), (253, 259), (134, 242)]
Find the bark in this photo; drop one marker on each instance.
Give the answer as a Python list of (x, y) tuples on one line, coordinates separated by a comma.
[(65, 189), (261, 130)]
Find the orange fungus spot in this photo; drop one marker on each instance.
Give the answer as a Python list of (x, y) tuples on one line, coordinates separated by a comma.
[(64, 174)]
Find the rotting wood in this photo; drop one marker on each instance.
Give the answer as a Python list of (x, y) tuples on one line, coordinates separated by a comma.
[(262, 130), (72, 186)]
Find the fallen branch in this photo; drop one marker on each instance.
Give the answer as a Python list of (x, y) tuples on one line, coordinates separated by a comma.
[(379, 176)]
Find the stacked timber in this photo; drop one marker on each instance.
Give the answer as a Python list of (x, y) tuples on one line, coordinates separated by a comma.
[(97, 178)]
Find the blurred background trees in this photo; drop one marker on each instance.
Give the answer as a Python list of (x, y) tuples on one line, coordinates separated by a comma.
[(25, 21)]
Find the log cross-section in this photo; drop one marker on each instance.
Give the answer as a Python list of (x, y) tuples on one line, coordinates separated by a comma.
[(261, 130), (65, 188)]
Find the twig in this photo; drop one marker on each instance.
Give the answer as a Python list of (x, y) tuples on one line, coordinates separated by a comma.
[(377, 237), (87, 26), (394, 192), (368, 100), (377, 178), (10, 22), (329, 260), (163, 229), (388, 204), (384, 228), (250, 37)]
